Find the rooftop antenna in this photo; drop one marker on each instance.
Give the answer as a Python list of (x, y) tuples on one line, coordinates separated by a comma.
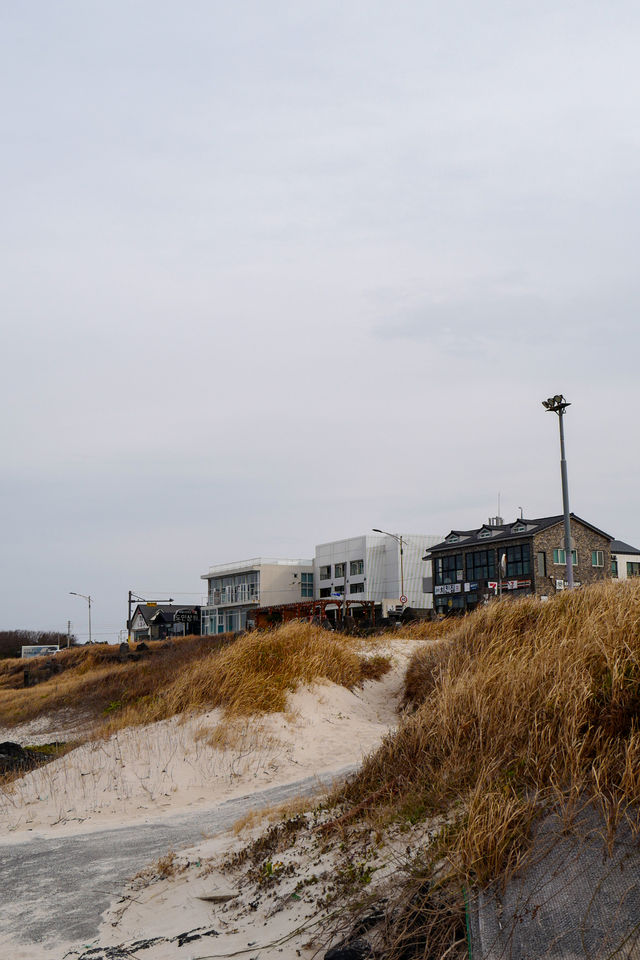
[(496, 521)]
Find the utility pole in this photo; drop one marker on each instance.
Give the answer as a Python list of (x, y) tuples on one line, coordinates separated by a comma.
[(68, 634), (558, 405)]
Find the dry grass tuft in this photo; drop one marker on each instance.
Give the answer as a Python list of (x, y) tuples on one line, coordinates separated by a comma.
[(255, 674), (94, 679), (250, 675), (519, 707)]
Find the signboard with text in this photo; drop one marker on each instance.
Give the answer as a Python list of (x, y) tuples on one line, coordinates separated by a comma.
[(187, 616), (447, 588)]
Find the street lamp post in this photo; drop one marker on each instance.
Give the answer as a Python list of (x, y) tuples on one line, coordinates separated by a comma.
[(398, 538), (88, 599), (558, 405)]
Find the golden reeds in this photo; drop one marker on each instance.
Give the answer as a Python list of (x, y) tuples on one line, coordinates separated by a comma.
[(252, 674), (521, 704)]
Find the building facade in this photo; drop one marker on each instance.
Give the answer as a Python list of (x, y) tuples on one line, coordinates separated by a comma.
[(514, 559), (369, 568), (157, 621), (625, 560), (234, 590)]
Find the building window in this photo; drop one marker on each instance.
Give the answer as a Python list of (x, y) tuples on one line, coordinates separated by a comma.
[(325, 591), (307, 584), (614, 567), (325, 573), (481, 565), (356, 588), (541, 561), (339, 569), (597, 558), (356, 567), (559, 557), (518, 560), (633, 569), (449, 569)]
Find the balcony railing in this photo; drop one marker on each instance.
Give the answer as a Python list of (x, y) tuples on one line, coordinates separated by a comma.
[(229, 596)]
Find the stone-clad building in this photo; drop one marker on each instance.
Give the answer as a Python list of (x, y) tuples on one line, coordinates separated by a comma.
[(514, 559)]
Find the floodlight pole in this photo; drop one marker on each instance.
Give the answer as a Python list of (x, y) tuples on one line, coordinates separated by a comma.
[(568, 553), (558, 405)]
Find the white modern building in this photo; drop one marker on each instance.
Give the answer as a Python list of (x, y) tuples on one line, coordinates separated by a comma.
[(625, 560), (234, 589), (370, 568)]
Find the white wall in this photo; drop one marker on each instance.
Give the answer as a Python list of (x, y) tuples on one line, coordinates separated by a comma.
[(381, 555), (281, 583), (622, 559)]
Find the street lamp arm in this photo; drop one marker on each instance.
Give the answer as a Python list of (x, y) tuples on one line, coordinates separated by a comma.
[(395, 536)]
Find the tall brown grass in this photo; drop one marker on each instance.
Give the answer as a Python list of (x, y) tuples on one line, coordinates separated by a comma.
[(520, 706), (255, 674), (92, 679), (252, 674)]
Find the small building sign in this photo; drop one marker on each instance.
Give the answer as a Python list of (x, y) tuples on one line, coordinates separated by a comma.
[(40, 650), (509, 584), (187, 615), (447, 588)]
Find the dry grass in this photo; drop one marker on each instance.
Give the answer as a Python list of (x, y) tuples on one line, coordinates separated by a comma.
[(94, 679), (519, 707), (251, 675), (255, 674)]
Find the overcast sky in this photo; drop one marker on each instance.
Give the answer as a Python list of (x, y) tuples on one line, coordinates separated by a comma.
[(274, 273)]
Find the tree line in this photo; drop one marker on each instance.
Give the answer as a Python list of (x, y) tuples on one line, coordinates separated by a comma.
[(11, 641)]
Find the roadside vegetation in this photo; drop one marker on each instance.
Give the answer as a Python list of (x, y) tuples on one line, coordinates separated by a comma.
[(12, 641), (251, 674)]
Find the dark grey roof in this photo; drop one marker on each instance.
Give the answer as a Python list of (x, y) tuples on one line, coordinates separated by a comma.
[(619, 546), (487, 534)]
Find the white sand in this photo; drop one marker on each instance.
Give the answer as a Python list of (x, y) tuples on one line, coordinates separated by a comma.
[(166, 768), (283, 916), (143, 773)]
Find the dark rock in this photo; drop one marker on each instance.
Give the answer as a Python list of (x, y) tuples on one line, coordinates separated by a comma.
[(11, 749), (142, 646), (356, 950), (15, 757)]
